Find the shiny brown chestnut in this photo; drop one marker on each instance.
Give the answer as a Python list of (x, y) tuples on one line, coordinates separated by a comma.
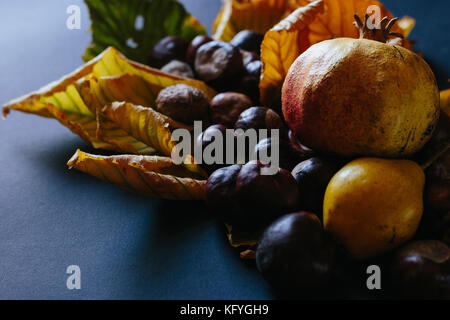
[(437, 195), (439, 169), (421, 270), (218, 63), (261, 118), (249, 84), (226, 107), (313, 176), (212, 142), (221, 193), (262, 196), (439, 142), (179, 69), (299, 147), (248, 40), (195, 44), (166, 50), (183, 103), (295, 255), (248, 57), (288, 157)]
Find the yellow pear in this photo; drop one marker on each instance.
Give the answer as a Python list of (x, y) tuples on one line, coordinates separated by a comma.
[(374, 205)]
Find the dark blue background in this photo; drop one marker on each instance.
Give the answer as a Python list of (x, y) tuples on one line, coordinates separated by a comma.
[(127, 246)]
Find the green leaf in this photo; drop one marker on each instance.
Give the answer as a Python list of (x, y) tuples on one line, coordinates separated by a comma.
[(114, 23)]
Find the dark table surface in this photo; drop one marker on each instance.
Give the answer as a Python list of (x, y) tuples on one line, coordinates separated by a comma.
[(127, 246)]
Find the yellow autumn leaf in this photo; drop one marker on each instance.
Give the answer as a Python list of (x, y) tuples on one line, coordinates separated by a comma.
[(144, 124), (255, 15), (407, 24), (338, 17), (281, 46), (73, 100), (312, 22), (152, 176), (445, 101), (241, 238), (97, 93)]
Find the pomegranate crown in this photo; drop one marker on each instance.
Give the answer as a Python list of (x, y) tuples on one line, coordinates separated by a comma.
[(380, 32)]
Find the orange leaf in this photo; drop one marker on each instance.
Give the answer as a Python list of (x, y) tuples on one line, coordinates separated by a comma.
[(255, 15), (406, 23), (151, 176), (311, 23), (281, 46)]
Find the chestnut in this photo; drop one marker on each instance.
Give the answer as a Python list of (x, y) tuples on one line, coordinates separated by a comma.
[(243, 197), (178, 68), (437, 190), (422, 270), (226, 108), (256, 119), (183, 103), (218, 63), (439, 169), (263, 197), (295, 255), (439, 141), (166, 50), (248, 57), (313, 176), (195, 44), (248, 40), (260, 118), (299, 148), (250, 81), (437, 195), (253, 69), (434, 226), (221, 193), (206, 139), (288, 157), (445, 233)]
